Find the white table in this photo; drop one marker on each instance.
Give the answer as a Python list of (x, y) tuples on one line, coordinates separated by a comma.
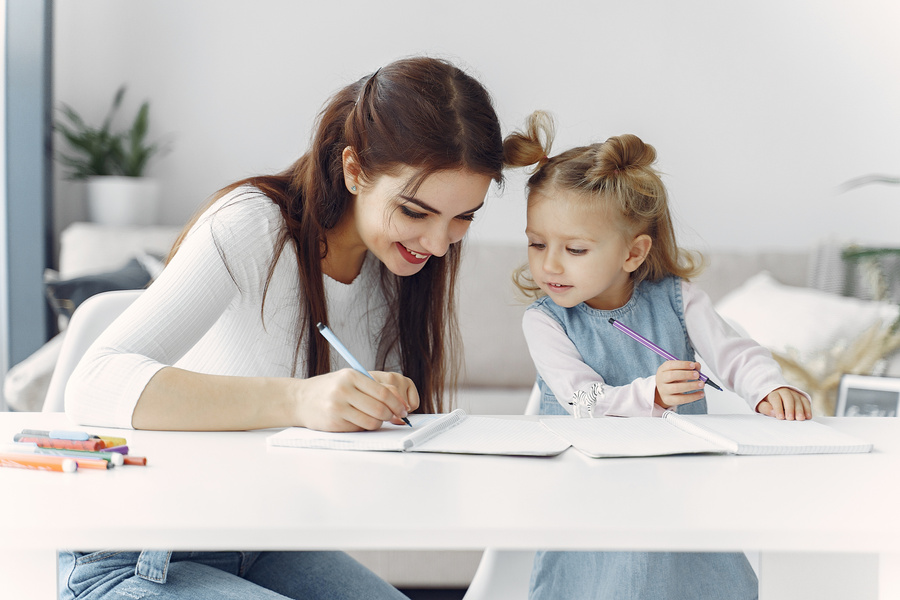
[(197, 488)]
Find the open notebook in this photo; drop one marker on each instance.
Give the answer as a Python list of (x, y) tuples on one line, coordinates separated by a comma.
[(685, 434), (454, 432)]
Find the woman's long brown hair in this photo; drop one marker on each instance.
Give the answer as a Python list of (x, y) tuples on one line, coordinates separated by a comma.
[(419, 112)]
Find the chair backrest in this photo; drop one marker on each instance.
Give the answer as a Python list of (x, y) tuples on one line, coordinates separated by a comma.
[(533, 407), (88, 321)]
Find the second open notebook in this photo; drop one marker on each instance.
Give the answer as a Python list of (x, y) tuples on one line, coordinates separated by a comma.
[(686, 434), (455, 432)]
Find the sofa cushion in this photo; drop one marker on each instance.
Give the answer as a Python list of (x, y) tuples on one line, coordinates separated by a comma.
[(727, 270), (89, 248), (815, 336), (65, 296), (490, 318), (808, 321)]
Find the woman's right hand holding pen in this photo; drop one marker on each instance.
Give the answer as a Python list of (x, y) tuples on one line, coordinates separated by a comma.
[(678, 382), (347, 400)]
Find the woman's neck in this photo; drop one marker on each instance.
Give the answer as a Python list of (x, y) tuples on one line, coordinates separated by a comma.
[(346, 253)]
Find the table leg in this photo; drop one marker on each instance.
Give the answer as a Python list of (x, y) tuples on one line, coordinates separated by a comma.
[(28, 574), (821, 576), (888, 575)]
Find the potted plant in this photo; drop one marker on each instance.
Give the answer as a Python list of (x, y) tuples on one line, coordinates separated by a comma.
[(112, 164), (879, 266)]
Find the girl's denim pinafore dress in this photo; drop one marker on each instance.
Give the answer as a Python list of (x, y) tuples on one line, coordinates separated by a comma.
[(656, 311)]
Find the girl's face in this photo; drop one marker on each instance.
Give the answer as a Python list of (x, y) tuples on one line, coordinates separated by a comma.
[(577, 253), (404, 230)]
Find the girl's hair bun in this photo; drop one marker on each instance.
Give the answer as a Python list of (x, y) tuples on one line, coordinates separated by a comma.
[(619, 154), (531, 146)]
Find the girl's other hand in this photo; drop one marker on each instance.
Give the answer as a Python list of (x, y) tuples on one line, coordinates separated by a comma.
[(785, 403), (678, 382), (347, 400)]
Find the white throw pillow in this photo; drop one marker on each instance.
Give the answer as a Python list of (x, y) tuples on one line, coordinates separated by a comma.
[(808, 321)]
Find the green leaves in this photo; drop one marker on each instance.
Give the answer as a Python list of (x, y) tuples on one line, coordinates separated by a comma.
[(101, 151), (136, 151)]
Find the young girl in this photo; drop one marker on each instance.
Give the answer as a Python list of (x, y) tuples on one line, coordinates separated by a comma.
[(361, 233), (601, 245)]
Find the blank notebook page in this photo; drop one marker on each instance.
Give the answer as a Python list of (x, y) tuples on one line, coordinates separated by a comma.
[(488, 435), (758, 434), (627, 436), (389, 438)]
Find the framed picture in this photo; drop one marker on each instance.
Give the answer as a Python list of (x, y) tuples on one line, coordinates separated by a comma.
[(868, 396)]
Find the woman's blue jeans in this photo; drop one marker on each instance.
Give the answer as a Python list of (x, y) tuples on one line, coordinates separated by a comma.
[(161, 575)]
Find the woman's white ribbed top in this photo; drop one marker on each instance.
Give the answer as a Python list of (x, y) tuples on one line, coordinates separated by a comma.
[(203, 314)]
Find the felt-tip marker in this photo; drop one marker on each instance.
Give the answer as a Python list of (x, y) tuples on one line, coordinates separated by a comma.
[(38, 462), (80, 436), (648, 344)]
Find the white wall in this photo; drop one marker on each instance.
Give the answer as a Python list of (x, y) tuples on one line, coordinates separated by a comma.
[(4, 287), (758, 110)]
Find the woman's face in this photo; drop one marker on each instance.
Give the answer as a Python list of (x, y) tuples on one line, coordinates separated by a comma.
[(405, 229)]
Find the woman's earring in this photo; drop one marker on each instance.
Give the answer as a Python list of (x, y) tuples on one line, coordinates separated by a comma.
[(352, 188)]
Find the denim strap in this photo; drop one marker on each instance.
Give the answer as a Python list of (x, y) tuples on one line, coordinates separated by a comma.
[(153, 565)]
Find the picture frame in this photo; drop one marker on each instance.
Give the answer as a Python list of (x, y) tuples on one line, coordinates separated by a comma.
[(868, 396)]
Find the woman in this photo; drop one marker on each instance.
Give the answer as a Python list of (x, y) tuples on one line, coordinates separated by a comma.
[(360, 233)]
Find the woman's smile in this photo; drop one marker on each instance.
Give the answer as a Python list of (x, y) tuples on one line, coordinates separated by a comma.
[(412, 256)]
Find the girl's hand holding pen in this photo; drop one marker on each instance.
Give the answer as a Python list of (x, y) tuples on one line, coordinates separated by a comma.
[(678, 382), (785, 403), (347, 400)]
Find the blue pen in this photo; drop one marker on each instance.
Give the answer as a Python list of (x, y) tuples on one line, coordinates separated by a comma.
[(342, 350), (59, 434)]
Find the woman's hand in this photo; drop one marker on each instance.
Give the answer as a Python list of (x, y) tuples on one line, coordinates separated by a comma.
[(347, 400), (403, 388), (678, 382), (785, 403)]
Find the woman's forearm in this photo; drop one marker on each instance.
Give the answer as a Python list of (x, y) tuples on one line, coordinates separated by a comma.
[(179, 400)]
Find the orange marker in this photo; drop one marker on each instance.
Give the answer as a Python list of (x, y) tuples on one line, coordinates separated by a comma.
[(91, 463), (38, 462)]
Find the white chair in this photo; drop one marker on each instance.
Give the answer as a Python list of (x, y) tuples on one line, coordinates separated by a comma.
[(505, 574), (88, 321)]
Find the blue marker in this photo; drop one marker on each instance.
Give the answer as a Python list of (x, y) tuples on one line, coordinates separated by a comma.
[(342, 350)]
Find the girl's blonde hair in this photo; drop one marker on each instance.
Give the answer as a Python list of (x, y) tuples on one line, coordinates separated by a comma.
[(618, 173)]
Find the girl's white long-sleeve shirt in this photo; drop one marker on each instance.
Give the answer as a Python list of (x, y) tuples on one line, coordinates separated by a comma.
[(739, 363), (205, 313)]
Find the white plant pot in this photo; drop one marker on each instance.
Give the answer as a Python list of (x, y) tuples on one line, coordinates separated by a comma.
[(119, 201)]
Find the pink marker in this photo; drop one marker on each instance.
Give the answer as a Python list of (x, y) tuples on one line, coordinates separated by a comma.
[(648, 344)]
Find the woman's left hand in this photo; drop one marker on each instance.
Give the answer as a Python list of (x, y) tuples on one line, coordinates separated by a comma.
[(785, 403)]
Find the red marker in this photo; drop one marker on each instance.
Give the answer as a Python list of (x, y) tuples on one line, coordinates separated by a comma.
[(49, 442)]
